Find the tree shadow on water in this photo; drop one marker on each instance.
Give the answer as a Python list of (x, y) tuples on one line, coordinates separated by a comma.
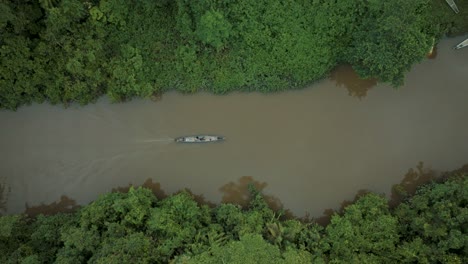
[(4, 192), (344, 75), (460, 171), (155, 187), (199, 198), (64, 205), (412, 180), (432, 55), (410, 183), (415, 178), (328, 213), (238, 193)]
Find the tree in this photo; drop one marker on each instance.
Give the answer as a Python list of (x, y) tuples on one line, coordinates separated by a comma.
[(46, 236), (433, 223), (391, 38), (70, 54), (132, 248), (366, 233), (65, 51), (213, 29), (429, 227), (19, 27), (249, 249), (110, 220), (125, 78), (177, 223)]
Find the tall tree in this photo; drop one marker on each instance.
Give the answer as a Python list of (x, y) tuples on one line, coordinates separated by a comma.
[(433, 223), (366, 233), (392, 37), (19, 29)]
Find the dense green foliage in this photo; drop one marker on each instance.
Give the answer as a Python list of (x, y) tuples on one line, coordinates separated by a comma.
[(136, 227), (390, 38), (65, 51), (446, 20)]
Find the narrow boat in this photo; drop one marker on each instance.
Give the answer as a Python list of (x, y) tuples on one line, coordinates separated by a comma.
[(199, 139), (462, 44), (453, 6)]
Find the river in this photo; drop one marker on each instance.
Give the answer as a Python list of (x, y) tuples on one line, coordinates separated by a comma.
[(310, 149)]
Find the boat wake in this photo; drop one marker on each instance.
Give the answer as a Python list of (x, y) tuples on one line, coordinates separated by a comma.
[(155, 140)]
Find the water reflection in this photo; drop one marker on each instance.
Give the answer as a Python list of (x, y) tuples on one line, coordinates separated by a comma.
[(414, 178), (155, 187), (64, 205), (462, 170), (328, 213), (4, 192), (344, 75), (238, 193), (417, 177), (199, 198), (314, 147), (411, 181), (433, 54)]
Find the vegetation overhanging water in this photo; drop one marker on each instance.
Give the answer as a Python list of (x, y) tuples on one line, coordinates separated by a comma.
[(64, 51), (69, 50)]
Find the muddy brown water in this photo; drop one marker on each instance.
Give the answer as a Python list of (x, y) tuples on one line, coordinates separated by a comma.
[(310, 149)]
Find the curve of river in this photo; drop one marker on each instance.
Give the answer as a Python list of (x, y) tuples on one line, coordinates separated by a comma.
[(310, 148)]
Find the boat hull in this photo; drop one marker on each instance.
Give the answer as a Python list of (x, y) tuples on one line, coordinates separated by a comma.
[(462, 44), (199, 139)]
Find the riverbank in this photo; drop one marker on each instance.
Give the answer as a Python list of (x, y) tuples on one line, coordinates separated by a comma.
[(73, 51), (138, 227)]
